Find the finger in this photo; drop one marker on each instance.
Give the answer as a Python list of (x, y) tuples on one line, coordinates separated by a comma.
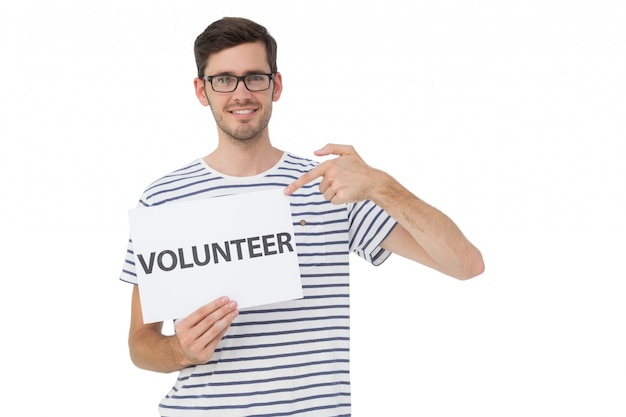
[(201, 333), (335, 149), (305, 178), (329, 195), (216, 316), (212, 344), (196, 341), (225, 311), (201, 313), (324, 185), (218, 328)]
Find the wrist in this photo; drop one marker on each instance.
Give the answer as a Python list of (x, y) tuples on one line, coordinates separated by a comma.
[(385, 190), (179, 357)]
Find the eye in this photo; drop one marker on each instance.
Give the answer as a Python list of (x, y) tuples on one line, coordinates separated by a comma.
[(256, 77), (223, 80)]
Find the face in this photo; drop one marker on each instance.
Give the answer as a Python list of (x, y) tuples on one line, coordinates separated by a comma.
[(241, 115)]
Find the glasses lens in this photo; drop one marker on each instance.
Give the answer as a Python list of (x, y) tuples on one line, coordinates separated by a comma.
[(224, 83), (257, 82)]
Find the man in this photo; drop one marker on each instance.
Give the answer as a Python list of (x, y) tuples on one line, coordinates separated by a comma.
[(288, 358)]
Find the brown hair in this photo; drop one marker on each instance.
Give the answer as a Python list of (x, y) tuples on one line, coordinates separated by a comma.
[(228, 32)]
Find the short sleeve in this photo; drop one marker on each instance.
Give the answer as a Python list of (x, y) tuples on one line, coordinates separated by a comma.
[(369, 226)]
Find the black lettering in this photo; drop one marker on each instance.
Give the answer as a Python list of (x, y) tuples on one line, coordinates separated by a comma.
[(257, 246), (207, 256), (284, 239), (183, 265), (225, 253), (238, 243), (252, 247), (146, 268), (160, 260), (267, 245)]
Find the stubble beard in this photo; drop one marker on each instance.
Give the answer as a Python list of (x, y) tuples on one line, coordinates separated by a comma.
[(246, 133)]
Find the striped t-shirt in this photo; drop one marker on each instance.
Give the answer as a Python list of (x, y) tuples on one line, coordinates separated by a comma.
[(289, 358)]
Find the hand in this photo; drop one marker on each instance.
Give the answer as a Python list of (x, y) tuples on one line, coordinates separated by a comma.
[(346, 179), (201, 331)]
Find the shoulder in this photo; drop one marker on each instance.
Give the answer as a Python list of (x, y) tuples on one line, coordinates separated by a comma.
[(193, 168), (175, 183), (298, 163)]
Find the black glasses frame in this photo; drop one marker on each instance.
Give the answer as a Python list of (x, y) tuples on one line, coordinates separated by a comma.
[(209, 78)]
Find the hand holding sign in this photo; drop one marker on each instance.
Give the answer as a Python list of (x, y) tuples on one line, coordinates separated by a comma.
[(201, 331)]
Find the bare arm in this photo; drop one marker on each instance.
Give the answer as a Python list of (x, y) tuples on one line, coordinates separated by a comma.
[(195, 340), (423, 234)]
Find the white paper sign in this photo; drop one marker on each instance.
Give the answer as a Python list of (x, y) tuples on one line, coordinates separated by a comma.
[(190, 253)]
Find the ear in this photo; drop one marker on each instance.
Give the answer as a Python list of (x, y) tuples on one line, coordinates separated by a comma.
[(278, 86), (198, 84)]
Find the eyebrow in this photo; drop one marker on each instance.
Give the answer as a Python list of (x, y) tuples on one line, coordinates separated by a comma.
[(252, 72)]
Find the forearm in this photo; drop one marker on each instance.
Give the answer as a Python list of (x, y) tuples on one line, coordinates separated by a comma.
[(435, 232), (154, 351)]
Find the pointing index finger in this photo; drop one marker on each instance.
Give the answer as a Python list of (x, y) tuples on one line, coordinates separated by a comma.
[(306, 178)]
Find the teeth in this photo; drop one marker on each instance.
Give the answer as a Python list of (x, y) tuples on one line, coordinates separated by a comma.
[(242, 111)]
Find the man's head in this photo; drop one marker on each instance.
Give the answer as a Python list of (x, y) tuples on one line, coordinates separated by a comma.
[(228, 32), (238, 78)]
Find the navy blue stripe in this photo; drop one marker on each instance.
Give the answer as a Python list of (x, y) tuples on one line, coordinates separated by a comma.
[(182, 187), (371, 224), (357, 230), (293, 309), (281, 355), (178, 178), (282, 344), (316, 193), (335, 242), (263, 380), (327, 286), (324, 264), (319, 213), (222, 187), (324, 233), (237, 407), (275, 368), (322, 275), (291, 177), (265, 392), (306, 410), (381, 227), (285, 332), (298, 320)]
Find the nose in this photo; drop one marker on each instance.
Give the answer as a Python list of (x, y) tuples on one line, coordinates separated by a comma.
[(241, 90)]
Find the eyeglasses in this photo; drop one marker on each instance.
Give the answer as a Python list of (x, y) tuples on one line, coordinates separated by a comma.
[(229, 83)]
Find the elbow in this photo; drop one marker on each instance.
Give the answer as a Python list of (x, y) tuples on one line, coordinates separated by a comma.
[(137, 350), (473, 266), (135, 358)]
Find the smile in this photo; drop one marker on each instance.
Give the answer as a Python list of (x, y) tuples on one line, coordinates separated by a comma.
[(245, 111)]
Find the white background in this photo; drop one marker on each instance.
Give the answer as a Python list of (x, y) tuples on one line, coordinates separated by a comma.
[(508, 116)]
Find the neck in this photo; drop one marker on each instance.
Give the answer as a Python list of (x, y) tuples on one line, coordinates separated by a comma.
[(243, 159)]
